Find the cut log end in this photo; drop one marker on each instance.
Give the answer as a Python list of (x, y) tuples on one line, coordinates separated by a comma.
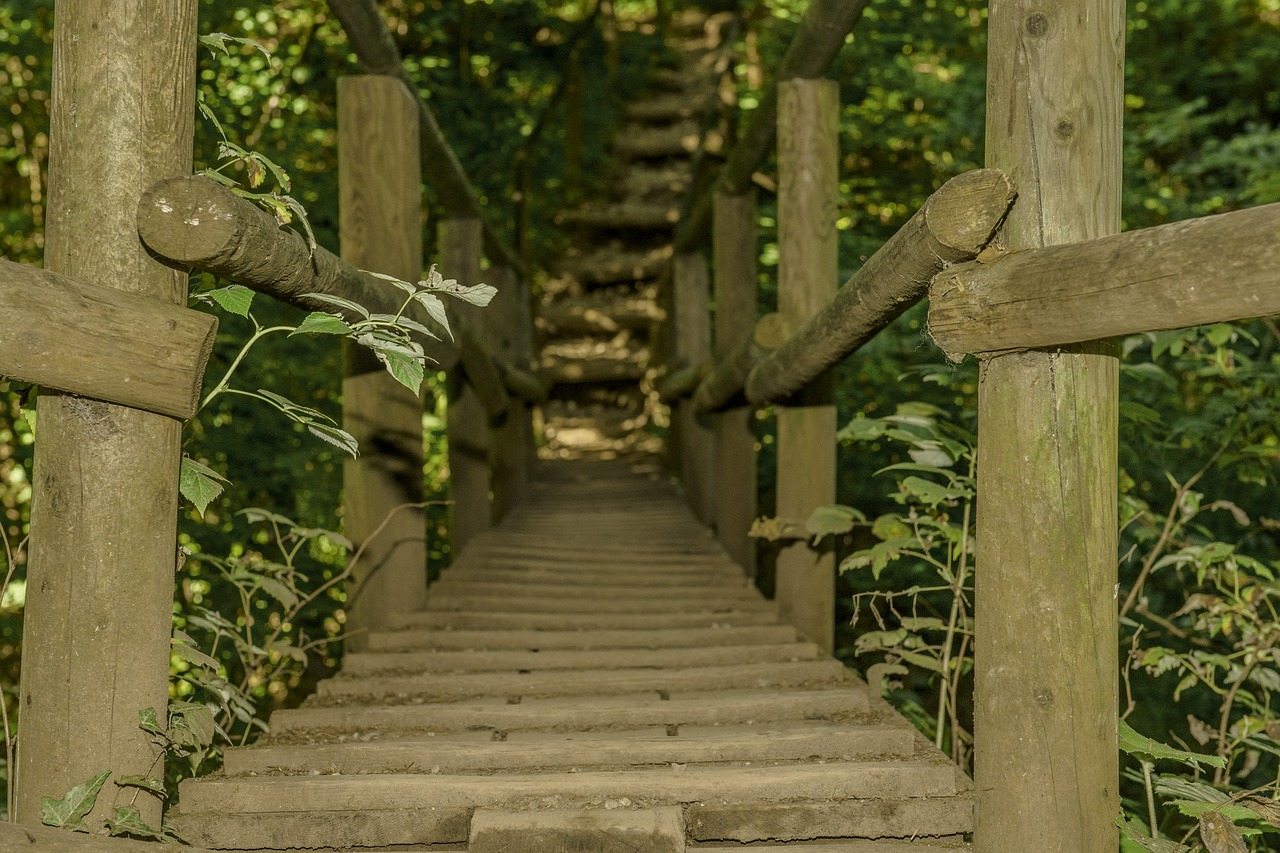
[(964, 214), (188, 221)]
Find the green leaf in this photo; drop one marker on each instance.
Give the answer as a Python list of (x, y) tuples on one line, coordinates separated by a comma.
[(235, 298), (155, 786), (69, 812), (1220, 834), (127, 820), (1146, 749), (339, 438), (353, 307), (1133, 831), (321, 323), (278, 590), (435, 308), (861, 429), (477, 294), (194, 656), (191, 724), (930, 453), (832, 520), (890, 526), (218, 42), (407, 369), (148, 723), (199, 483), (398, 282)]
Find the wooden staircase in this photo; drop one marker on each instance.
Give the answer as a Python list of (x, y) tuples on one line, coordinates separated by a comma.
[(592, 675)]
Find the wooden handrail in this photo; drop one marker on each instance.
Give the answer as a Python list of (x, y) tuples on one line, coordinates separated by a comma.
[(371, 40), (822, 32), (196, 223), (1216, 269), (723, 387)]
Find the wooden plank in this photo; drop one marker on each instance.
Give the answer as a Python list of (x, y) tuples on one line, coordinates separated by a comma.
[(724, 593), (442, 688), (508, 333), (104, 508), (599, 639), (193, 222), (1211, 270), (905, 818), (659, 830), (103, 343), (953, 225), (498, 620), (687, 708), (466, 423), (380, 211), (806, 454), (46, 839), (1045, 683), (634, 604), (357, 664), (478, 752)]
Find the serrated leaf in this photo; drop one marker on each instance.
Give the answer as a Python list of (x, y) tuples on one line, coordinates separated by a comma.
[(199, 483), (832, 520), (413, 325), (235, 298), (191, 724), (1220, 835), (218, 41), (930, 453), (1135, 833), (435, 307), (861, 429), (407, 369), (321, 323), (1147, 749), (69, 812), (340, 439), (194, 656), (278, 590), (398, 282), (127, 820), (148, 723), (254, 514), (477, 294), (890, 526), (340, 302), (155, 786)]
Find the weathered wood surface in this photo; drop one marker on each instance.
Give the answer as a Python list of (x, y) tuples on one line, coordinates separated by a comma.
[(100, 342), (45, 839), (193, 222), (124, 88), (679, 384), (467, 420), (806, 455), (1211, 270), (725, 385), (377, 53), (1045, 684), (509, 334), (954, 225), (822, 32), (380, 215), (734, 258)]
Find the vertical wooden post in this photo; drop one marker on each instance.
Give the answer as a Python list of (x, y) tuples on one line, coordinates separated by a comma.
[(734, 247), (104, 510), (380, 221), (508, 333), (1045, 690), (807, 172), (691, 300), (466, 425)]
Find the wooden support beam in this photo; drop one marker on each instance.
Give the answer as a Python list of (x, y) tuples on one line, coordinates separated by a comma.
[(195, 223), (99, 611), (380, 224), (823, 30), (691, 298), (1046, 646), (807, 168), (103, 343), (1211, 270), (734, 283), (954, 225), (467, 421), (724, 386), (376, 51), (509, 332), (679, 384), (480, 372)]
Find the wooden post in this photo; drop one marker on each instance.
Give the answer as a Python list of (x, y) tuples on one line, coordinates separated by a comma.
[(508, 332), (104, 511), (380, 221), (691, 300), (1045, 689), (734, 249), (466, 424), (807, 172)]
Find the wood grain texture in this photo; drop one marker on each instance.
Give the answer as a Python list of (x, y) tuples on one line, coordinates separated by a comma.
[(1045, 685), (380, 223), (691, 285), (807, 169), (734, 284), (953, 225), (509, 335), (46, 839), (123, 105), (103, 343), (467, 423), (1211, 270), (194, 223)]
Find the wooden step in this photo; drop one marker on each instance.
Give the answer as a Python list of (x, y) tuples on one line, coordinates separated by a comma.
[(405, 640), (578, 682), (879, 845), (462, 586), (617, 830), (600, 315), (532, 603), (639, 216), (581, 621), (474, 571), (680, 139), (610, 265), (845, 701)]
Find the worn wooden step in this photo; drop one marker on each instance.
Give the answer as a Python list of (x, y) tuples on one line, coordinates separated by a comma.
[(845, 701), (580, 682), (616, 830), (409, 639), (638, 215), (477, 752), (581, 621), (601, 315), (374, 810), (475, 571), (357, 664), (613, 264), (461, 586), (856, 845), (676, 140), (664, 108), (533, 603)]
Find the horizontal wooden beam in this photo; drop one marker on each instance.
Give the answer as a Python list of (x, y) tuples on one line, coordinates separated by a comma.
[(195, 223), (954, 225), (46, 839), (1210, 270), (101, 342), (524, 384), (482, 375), (680, 383), (723, 387)]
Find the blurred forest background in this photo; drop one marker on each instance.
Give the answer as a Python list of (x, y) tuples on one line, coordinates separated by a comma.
[(1200, 410)]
